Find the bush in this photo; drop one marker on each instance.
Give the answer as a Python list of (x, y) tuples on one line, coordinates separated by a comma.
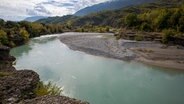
[(167, 34), (131, 20), (139, 37), (118, 36), (145, 27), (3, 37), (47, 89), (4, 74), (24, 34)]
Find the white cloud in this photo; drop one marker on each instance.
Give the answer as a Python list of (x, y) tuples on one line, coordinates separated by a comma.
[(19, 9)]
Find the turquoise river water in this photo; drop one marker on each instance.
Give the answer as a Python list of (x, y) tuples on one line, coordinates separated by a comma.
[(99, 80)]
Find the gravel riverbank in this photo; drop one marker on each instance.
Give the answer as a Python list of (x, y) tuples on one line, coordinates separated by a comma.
[(105, 44)]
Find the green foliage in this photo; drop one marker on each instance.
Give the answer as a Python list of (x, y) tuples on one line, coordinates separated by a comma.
[(181, 24), (3, 37), (161, 21), (4, 74), (2, 23), (91, 28), (17, 33), (47, 89), (36, 29), (11, 24), (24, 34), (152, 17), (139, 37), (145, 27), (167, 34), (131, 20)]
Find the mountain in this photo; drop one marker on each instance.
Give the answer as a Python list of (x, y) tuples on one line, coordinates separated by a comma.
[(57, 19), (113, 18), (110, 5), (34, 18)]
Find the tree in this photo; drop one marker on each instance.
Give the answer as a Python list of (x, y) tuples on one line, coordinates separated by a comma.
[(145, 27), (36, 29), (24, 34), (131, 20), (161, 21), (174, 19), (167, 34), (3, 37), (181, 24), (2, 23), (11, 24)]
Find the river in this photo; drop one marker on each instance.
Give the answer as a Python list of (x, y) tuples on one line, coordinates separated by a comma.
[(99, 80)]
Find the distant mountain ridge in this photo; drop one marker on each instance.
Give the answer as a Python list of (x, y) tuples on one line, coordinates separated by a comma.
[(34, 18), (110, 5), (56, 20), (111, 18)]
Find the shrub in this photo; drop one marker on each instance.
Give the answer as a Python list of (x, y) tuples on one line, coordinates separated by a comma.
[(167, 34), (24, 34), (47, 89), (118, 36), (139, 37), (3, 74), (131, 20), (3, 37), (145, 27)]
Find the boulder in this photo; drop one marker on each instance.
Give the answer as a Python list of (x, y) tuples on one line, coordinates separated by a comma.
[(17, 86), (6, 60)]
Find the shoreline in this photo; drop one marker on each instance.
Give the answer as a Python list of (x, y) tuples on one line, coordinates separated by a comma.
[(18, 86), (150, 53)]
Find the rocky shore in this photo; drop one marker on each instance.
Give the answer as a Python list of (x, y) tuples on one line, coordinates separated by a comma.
[(149, 52), (17, 86)]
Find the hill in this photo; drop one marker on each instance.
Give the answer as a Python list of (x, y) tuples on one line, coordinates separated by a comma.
[(110, 5), (57, 19), (98, 8), (113, 18), (34, 18)]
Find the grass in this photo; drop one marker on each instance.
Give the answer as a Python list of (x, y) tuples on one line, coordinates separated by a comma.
[(47, 89), (4, 74)]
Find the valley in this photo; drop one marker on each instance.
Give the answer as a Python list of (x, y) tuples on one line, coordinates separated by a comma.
[(98, 51)]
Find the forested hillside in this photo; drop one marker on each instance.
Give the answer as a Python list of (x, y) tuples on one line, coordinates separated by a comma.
[(110, 5), (162, 16), (57, 19), (115, 18), (34, 18)]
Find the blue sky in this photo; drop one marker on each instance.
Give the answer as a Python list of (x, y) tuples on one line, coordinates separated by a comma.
[(20, 9)]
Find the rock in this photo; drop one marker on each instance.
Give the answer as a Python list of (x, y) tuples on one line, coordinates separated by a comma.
[(53, 100), (6, 61), (17, 86)]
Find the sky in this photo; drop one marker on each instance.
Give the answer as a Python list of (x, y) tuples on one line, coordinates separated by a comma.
[(19, 9)]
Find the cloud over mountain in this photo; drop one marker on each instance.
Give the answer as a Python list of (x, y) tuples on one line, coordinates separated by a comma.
[(19, 9)]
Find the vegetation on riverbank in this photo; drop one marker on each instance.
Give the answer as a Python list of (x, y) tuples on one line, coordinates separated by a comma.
[(164, 17), (16, 33), (47, 89), (25, 87)]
